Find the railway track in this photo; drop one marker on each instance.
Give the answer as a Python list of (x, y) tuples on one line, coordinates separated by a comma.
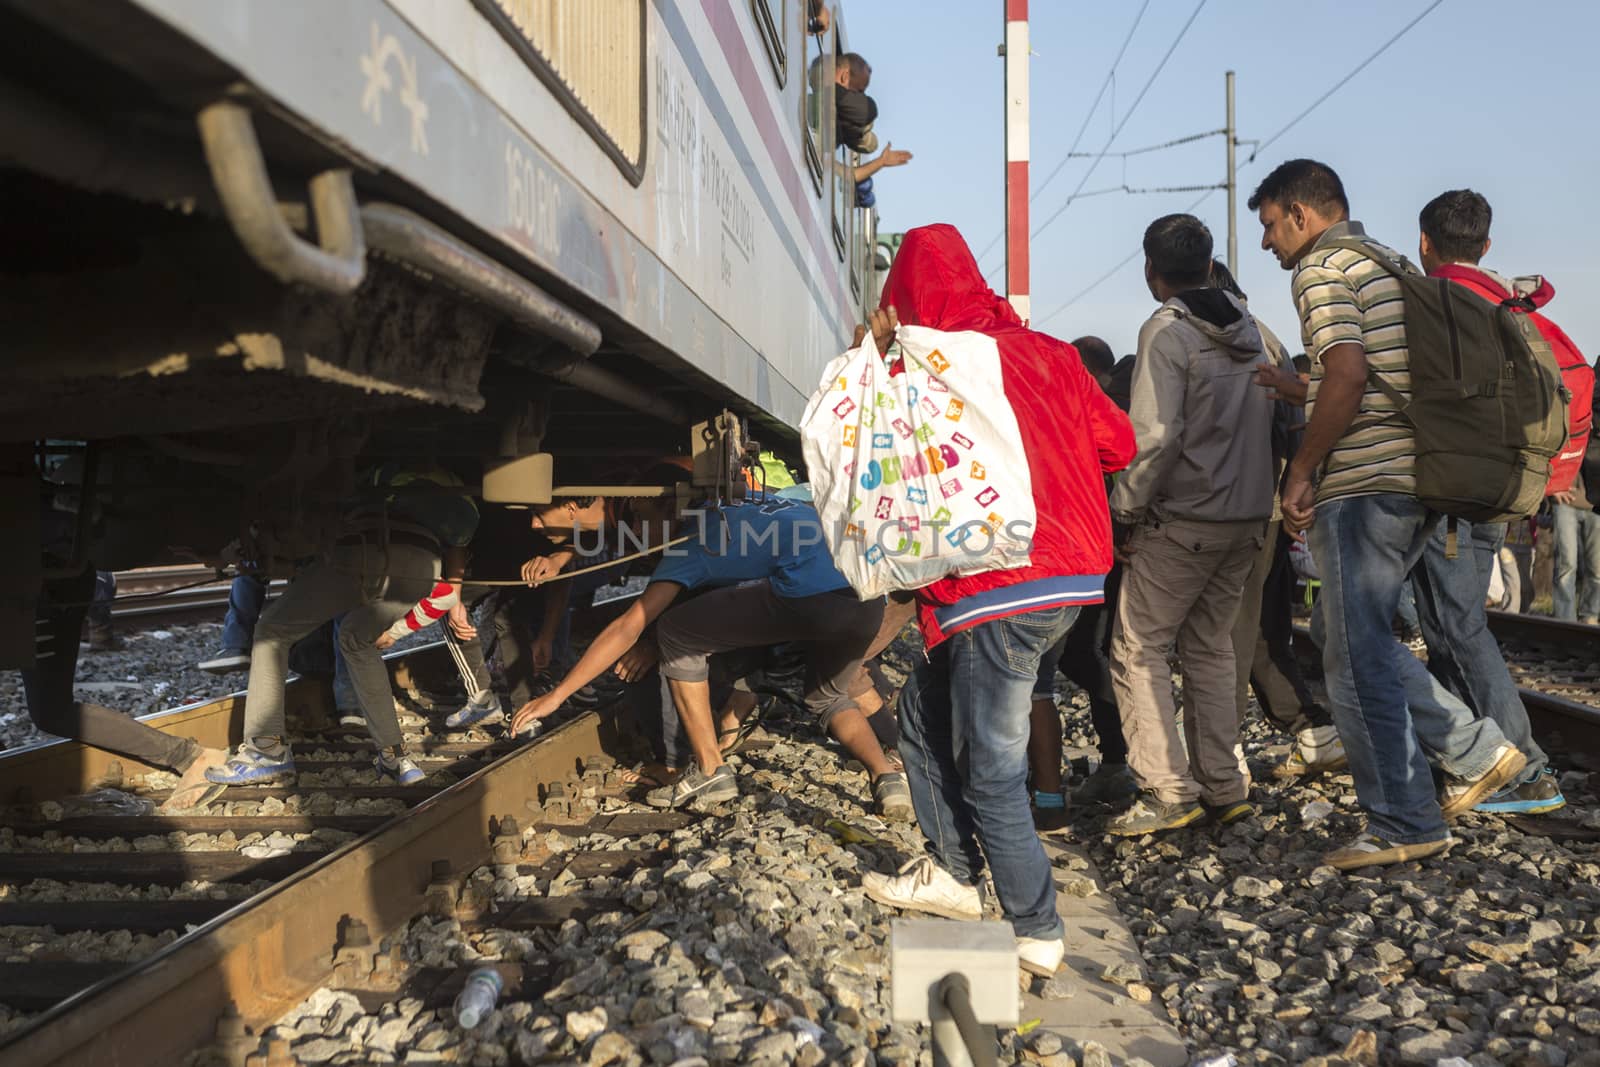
[(274, 891), (149, 594), (1556, 666)]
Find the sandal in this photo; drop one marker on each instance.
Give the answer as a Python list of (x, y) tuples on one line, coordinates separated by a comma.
[(651, 774), (734, 740)]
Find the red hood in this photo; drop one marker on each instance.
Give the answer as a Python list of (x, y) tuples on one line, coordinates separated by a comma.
[(1071, 433), (935, 282), (1535, 287)]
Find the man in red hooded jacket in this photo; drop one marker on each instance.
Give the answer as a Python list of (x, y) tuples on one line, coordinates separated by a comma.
[(964, 712)]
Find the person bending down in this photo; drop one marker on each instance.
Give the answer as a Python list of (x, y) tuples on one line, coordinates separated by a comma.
[(771, 581), (387, 558)]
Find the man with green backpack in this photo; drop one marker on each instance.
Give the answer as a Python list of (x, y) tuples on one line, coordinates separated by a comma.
[(1402, 367)]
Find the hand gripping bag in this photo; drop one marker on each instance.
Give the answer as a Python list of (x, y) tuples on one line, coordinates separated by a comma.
[(916, 462)]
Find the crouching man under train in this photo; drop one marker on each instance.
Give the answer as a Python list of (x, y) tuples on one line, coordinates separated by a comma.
[(771, 581), (964, 713), (388, 556)]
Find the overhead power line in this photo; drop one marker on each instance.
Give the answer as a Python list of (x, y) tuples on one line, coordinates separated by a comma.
[(1173, 47), (1148, 148), (1357, 69), (1318, 102)]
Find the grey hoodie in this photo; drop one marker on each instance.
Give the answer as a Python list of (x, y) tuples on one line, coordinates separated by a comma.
[(1203, 426)]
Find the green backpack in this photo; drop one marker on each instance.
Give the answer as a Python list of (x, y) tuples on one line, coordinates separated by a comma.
[(1487, 402)]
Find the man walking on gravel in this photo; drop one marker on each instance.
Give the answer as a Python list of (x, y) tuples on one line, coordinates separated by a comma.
[(1191, 516), (1462, 653), (964, 712), (1355, 475)]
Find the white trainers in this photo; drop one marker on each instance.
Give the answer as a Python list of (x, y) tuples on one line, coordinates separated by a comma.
[(923, 885), (1041, 956), (1316, 749)]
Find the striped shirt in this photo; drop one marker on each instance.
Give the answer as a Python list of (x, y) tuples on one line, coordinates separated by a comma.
[(1345, 297)]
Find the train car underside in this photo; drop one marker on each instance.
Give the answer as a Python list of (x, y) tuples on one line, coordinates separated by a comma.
[(167, 362)]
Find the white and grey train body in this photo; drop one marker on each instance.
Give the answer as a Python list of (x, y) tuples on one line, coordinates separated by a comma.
[(251, 244)]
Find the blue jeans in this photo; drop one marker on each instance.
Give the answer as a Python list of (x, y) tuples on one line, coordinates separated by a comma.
[(1406, 611), (245, 598), (964, 740), (1577, 537), (1462, 654), (344, 688), (1393, 716), (1488, 538)]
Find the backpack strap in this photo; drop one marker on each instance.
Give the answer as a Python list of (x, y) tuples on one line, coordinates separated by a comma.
[(1394, 264), (1398, 267)]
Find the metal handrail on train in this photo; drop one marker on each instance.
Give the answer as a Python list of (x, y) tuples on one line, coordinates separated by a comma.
[(240, 174), (345, 229)]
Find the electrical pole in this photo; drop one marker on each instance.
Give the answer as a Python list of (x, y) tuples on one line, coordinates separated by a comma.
[(1016, 82), (1233, 187)]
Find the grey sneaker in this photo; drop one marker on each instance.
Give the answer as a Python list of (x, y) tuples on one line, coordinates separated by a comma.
[(485, 711), (695, 786), (1151, 815)]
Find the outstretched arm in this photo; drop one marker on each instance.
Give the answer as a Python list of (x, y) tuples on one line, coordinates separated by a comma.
[(606, 649)]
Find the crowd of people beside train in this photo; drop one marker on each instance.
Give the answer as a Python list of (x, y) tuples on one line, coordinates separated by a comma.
[(1177, 492)]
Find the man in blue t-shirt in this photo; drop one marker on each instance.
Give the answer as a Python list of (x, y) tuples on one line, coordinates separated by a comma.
[(770, 580)]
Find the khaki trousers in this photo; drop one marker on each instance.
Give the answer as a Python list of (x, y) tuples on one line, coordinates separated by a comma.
[(1182, 589)]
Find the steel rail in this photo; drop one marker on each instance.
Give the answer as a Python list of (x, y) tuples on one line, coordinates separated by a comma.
[(1575, 725), (1543, 630), (264, 955)]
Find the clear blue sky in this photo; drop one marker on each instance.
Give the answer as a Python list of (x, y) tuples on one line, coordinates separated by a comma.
[(1475, 95)]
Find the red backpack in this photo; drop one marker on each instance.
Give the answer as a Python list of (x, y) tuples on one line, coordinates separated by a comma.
[(1578, 377)]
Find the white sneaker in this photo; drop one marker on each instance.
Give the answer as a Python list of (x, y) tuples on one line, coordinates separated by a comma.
[(1041, 956), (1316, 749), (923, 885)]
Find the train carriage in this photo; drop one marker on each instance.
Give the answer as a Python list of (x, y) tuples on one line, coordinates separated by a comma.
[(251, 245)]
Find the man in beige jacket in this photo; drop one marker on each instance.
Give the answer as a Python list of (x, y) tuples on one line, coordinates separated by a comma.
[(1190, 514)]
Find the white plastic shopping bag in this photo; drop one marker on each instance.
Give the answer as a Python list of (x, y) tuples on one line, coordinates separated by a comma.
[(916, 462)]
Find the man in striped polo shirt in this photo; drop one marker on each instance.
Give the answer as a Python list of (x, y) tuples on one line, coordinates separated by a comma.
[(1354, 476)]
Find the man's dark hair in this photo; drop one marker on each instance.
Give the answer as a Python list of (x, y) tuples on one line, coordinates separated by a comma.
[(859, 70), (1303, 181), (1222, 278), (1097, 356), (1302, 363), (1457, 225), (1179, 250), (581, 501)]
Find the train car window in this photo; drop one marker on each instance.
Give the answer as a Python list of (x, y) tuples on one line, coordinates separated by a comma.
[(817, 102), (591, 56), (771, 18)]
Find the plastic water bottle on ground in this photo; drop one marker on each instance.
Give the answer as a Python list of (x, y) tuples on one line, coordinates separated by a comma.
[(478, 997), (1225, 1060)]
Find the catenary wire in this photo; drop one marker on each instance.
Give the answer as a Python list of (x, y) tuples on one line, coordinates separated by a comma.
[(1173, 47), (1357, 69), (1341, 82)]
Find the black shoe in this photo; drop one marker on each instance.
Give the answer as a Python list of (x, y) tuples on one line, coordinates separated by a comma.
[(1227, 814)]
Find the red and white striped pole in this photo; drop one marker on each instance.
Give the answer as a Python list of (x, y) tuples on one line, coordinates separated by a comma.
[(1017, 155)]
